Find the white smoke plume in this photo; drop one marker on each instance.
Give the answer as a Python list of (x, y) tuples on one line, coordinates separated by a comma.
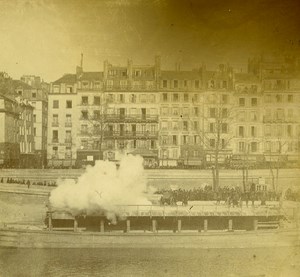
[(103, 188)]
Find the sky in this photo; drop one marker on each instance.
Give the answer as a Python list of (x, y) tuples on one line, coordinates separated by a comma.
[(46, 37)]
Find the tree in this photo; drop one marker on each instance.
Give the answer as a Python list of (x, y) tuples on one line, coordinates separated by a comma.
[(217, 114)]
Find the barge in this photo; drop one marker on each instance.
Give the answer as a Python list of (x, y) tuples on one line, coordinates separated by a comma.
[(203, 226)]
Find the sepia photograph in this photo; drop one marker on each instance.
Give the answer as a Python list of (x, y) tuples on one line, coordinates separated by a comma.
[(150, 138)]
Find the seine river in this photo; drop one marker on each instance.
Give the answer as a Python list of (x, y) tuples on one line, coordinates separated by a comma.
[(150, 262)]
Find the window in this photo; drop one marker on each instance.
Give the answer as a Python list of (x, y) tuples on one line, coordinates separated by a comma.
[(84, 100), (85, 84), (186, 97), (68, 136), (212, 143), (34, 131), (196, 125), (55, 118), (224, 113), (55, 151), (175, 83), (196, 111), (137, 73), (289, 130), (68, 118), (211, 127), (96, 115), (164, 111), (175, 125), (224, 98), (174, 139), (290, 113), (241, 131), (212, 112), (253, 146), (184, 139), (241, 102), (278, 98), (165, 97), (165, 83), (176, 111), (84, 115), (253, 116), (185, 83), (175, 97), (253, 131), (241, 116), (33, 95), (69, 104), (55, 135), (241, 146), (96, 100), (290, 98), (143, 98), (224, 128), (34, 118), (110, 98), (196, 83), (185, 126), (68, 152), (195, 98), (55, 89), (122, 98), (268, 98), (253, 102), (223, 143), (164, 125), (69, 89), (55, 104)]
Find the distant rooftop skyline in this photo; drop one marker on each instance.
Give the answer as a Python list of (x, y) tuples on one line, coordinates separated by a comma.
[(46, 38)]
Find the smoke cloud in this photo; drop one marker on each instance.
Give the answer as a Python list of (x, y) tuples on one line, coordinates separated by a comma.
[(103, 188)]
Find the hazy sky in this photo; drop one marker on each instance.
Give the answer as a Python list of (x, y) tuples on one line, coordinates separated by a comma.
[(45, 37)]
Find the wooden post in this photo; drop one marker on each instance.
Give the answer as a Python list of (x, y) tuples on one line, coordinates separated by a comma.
[(179, 225), (127, 225), (102, 226), (75, 224), (153, 225), (205, 225), (255, 224), (50, 221), (230, 225)]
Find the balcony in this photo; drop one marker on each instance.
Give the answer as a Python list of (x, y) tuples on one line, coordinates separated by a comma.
[(68, 124), (269, 119), (130, 135), (54, 140), (68, 140), (131, 118), (55, 124)]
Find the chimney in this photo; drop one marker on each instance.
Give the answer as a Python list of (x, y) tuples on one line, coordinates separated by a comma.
[(157, 67)]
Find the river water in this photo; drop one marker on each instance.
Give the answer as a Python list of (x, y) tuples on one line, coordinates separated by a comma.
[(280, 261)]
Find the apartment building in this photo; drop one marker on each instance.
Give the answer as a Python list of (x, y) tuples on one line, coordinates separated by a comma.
[(31, 88), (172, 118), (9, 141)]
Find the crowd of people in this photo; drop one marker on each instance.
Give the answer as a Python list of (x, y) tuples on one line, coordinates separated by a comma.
[(27, 183), (233, 196)]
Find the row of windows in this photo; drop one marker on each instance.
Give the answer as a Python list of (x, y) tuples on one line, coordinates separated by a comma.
[(179, 97), (179, 125), (279, 98), (181, 83), (253, 102), (176, 111), (55, 104)]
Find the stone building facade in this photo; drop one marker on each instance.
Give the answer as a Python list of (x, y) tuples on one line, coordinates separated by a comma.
[(176, 118)]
